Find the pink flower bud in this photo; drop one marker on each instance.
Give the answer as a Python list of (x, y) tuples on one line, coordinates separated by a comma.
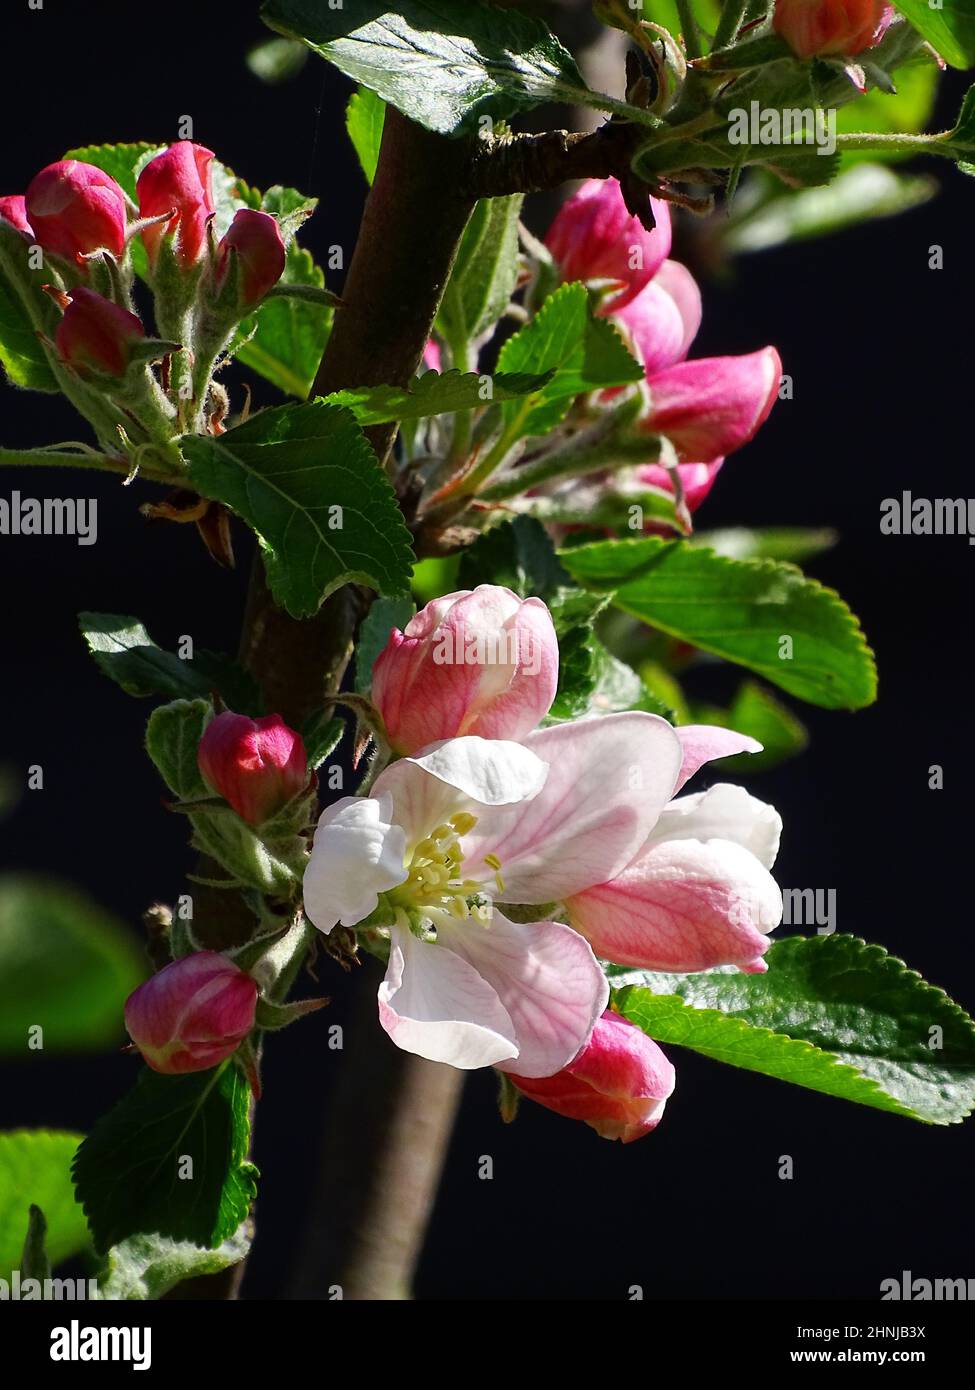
[(177, 181), (96, 334), (697, 479), (593, 237), (75, 209), (662, 321), (841, 27), (481, 662), (257, 765), (254, 240), (13, 209), (711, 406), (618, 1084), (193, 1014)]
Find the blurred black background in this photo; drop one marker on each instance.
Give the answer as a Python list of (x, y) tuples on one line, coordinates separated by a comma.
[(882, 401)]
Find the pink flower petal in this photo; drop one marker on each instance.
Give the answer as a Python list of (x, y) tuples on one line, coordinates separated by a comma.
[(702, 743), (664, 317), (713, 405), (436, 1005), (548, 980), (682, 906), (608, 780)]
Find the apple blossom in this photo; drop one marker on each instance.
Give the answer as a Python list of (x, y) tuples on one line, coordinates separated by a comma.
[(177, 181), (479, 661), (13, 209), (97, 335), (75, 209), (444, 835), (839, 27), (618, 1085), (193, 1014), (254, 242), (594, 237), (698, 893), (257, 765), (711, 406)]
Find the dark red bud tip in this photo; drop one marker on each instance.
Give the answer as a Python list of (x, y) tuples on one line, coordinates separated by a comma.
[(257, 765)]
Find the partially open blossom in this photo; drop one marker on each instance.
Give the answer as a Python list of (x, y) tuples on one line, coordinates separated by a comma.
[(75, 209), (593, 237), (840, 27), (472, 821), (257, 765), (711, 406), (663, 320), (698, 893), (697, 479), (193, 1014), (177, 181), (13, 209), (479, 661), (618, 1085), (95, 334), (255, 243)]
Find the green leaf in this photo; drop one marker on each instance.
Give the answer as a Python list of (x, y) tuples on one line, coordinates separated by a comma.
[(756, 712), (21, 353), (484, 274), (860, 193), (593, 681), (791, 543), (443, 63), (365, 116), (739, 609), (383, 616), (66, 966), (584, 353), (832, 1013), (434, 393), (321, 735), (128, 1171), (306, 479), (148, 1266), (172, 739), (125, 652), (950, 29), (35, 1169), (275, 60), (518, 554)]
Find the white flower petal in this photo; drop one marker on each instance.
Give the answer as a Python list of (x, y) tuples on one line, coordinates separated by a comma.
[(357, 854), (724, 812), (548, 980), (436, 1005)]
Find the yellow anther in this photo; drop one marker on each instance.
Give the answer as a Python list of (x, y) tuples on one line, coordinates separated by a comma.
[(492, 861), (457, 907), (426, 849), (500, 882), (434, 875), (463, 823), (481, 912), (441, 832)]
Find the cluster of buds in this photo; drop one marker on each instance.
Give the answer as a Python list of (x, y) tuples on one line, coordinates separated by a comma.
[(85, 225), (201, 1008), (703, 409)]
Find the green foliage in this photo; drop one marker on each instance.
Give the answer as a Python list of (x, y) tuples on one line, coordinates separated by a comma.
[(831, 1013), (307, 481), (364, 119), (484, 273), (66, 966), (435, 393), (949, 28), (757, 613), (443, 63), (35, 1170), (131, 1173), (383, 616), (172, 739), (148, 1266), (583, 353), (125, 652)]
